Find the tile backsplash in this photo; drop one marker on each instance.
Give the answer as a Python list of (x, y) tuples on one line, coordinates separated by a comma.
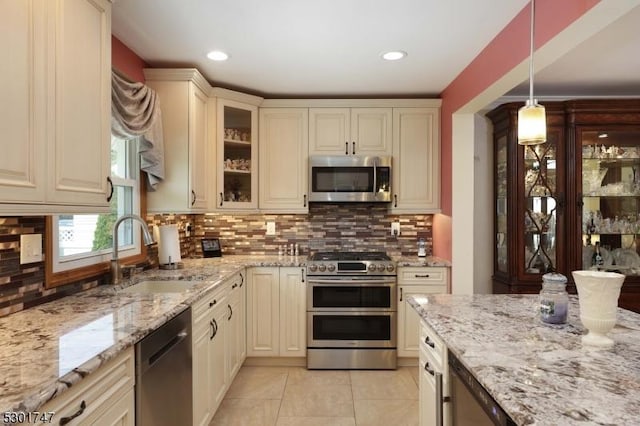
[(327, 227), (22, 286)]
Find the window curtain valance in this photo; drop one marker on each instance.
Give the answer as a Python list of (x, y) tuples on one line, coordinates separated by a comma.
[(135, 111)]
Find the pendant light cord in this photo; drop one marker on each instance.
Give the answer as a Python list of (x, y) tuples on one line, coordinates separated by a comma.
[(531, 55)]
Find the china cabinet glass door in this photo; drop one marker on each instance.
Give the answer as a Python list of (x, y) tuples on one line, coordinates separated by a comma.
[(542, 205), (610, 199), (237, 155), (501, 228)]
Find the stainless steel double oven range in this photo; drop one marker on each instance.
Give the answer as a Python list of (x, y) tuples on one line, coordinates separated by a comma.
[(351, 311)]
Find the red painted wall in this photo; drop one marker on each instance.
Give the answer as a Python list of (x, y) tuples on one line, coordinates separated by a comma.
[(126, 61), (509, 48)]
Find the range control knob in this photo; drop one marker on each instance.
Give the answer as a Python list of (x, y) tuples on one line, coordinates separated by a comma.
[(390, 267), (313, 267), (321, 268), (371, 267), (331, 267), (381, 267)]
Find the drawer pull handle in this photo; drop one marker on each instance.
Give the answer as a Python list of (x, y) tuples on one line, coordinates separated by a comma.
[(401, 294), (429, 342), (230, 312), (213, 303), (422, 276), (193, 197), (214, 329), (346, 148), (241, 279), (65, 420), (110, 196), (429, 370)]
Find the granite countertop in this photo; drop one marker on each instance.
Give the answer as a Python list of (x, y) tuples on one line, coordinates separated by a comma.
[(540, 374), (45, 349), (420, 261)]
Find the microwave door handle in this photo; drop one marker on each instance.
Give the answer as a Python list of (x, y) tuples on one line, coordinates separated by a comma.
[(375, 176)]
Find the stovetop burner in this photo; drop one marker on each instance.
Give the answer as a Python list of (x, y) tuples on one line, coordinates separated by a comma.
[(350, 255)]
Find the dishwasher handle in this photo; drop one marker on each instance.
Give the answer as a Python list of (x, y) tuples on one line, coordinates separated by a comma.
[(147, 363)]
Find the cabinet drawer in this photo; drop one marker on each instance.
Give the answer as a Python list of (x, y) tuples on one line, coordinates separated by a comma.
[(97, 392), (423, 275), (431, 344), (215, 297)]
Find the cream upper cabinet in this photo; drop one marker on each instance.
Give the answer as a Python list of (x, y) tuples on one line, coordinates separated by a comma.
[(237, 155), (284, 151), (184, 103), (350, 131), (56, 109), (416, 160)]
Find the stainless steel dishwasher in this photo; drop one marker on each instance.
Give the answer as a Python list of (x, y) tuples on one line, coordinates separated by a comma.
[(163, 374)]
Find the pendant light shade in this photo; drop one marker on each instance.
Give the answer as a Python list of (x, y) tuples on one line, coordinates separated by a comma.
[(532, 121), (532, 124)]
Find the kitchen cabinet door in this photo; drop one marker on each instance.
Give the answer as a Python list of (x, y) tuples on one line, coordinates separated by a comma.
[(293, 312), (350, 131), (415, 281), (236, 334), (79, 106), (263, 311), (218, 372), (237, 155), (284, 152), (185, 121), (416, 160), (371, 131), (56, 107), (201, 380)]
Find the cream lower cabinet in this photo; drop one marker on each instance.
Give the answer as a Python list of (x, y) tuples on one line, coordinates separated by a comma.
[(276, 312), (433, 367), (188, 142), (104, 398), (416, 160), (416, 280), (284, 150), (210, 379), (56, 106), (350, 131)]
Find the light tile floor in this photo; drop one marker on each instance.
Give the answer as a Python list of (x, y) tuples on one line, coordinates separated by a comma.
[(292, 396)]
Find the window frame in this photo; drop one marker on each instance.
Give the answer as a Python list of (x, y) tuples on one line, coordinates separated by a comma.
[(95, 265)]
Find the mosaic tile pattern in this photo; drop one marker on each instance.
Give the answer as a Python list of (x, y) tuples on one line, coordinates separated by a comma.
[(22, 286)]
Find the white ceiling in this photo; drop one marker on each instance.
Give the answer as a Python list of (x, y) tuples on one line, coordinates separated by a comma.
[(289, 48), (315, 48)]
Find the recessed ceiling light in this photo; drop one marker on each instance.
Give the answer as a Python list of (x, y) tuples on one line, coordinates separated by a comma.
[(217, 55), (394, 55)]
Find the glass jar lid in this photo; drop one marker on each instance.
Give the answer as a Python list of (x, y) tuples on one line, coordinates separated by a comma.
[(554, 278)]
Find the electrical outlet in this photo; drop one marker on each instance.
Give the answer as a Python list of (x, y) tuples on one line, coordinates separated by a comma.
[(30, 248), (395, 229), (271, 228)]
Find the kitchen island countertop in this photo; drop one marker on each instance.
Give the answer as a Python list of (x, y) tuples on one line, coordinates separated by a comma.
[(540, 374), (47, 349), (416, 261)]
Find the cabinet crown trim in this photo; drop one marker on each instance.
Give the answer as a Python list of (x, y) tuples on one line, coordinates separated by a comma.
[(178, 74), (352, 103)]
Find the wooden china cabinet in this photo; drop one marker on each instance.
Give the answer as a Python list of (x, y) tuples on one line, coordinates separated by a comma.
[(558, 203)]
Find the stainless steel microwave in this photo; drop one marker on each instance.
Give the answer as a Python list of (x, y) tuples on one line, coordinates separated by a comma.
[(349, 179)]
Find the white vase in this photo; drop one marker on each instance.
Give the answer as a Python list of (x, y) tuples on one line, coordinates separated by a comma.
[(598, 294)]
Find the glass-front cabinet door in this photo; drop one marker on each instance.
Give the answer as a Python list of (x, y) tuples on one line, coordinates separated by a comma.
[(237, 155), (501, 228), (610, 191), (542, 205)]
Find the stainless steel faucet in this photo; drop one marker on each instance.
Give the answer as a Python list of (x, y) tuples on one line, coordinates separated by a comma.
[(116, 272)]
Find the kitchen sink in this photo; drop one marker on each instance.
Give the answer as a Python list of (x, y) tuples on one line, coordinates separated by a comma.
[(160, 286)]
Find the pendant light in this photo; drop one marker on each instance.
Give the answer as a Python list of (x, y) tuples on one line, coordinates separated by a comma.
[(532, 122)]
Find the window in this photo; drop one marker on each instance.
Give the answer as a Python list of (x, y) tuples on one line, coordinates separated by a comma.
[(86, 239)]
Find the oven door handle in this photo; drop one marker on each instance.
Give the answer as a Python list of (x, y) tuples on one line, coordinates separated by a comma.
[(347, 281)]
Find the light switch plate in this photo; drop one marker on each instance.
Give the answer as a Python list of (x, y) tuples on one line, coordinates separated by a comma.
[(30, 248), (271, 228), (395, 229)]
